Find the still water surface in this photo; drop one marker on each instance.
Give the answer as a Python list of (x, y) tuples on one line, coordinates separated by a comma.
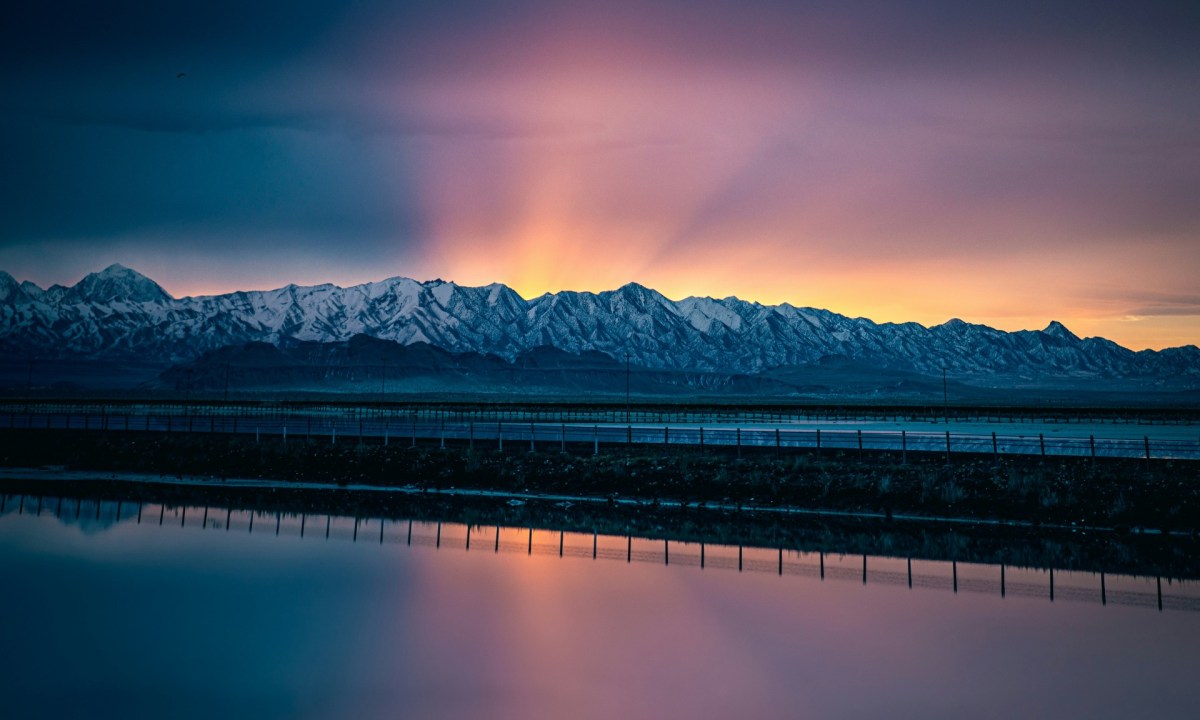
[(206, 617)]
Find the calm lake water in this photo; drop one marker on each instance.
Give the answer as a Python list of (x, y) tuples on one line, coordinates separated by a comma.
[(198, 613)]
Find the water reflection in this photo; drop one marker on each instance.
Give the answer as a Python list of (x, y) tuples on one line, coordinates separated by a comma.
[(119, 607), (93, 515)]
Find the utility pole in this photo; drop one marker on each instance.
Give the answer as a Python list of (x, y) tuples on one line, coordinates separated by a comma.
[(28, 386), (627, 414), (945, 398), (383, 382), (187, 393)]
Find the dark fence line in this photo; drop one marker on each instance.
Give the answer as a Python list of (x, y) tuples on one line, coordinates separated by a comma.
[(608, 412), (575, 436), (1002, 580)]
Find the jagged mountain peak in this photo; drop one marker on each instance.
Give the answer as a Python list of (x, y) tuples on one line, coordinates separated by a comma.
[(121, 313), (117, 283), (10, 289), (1058, 330)]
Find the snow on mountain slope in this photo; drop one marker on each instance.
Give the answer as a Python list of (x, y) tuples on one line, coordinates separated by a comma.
[(119, 313)]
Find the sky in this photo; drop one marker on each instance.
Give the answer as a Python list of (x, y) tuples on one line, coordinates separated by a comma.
[(1008, 163)]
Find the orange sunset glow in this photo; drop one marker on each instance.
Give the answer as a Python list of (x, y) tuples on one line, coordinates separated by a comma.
[(892, 164)]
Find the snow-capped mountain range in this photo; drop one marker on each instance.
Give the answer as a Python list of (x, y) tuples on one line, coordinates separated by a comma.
[(118, 313)]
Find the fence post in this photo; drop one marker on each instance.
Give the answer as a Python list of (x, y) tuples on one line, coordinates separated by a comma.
[(860, 441), (1092, 443), (285, 435), (629, 436), (818, 441), (995, 449), (562, 437), (702, 437), (1042, 443), (903, 447), (500, 436), (596, 439), (778, 444), (532, 432), (1146, 440), (739, 441), (947, 447), (471, 434)]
